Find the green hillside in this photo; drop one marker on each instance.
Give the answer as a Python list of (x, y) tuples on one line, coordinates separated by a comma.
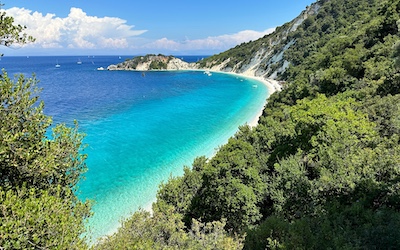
[(321, 170)]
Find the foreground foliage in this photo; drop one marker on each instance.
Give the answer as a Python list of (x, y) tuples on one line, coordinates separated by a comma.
[(164, 229), (38, 174)]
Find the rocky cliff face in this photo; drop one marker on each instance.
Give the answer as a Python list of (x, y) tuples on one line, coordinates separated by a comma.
[(263, 57), (178, 64)]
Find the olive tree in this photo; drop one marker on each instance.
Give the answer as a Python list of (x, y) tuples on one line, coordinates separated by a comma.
[(38, 171)]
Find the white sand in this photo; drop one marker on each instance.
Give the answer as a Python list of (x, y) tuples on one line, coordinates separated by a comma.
[(271, 84)]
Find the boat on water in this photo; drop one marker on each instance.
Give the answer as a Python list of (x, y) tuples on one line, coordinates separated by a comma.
[(207, 72), (58, 65), (79, 62), (100, 68)]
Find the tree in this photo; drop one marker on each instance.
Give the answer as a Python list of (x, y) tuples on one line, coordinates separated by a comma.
[(27, 156), (11, 33), (164, 229), (232, 187), (41, 219), (38, 174)]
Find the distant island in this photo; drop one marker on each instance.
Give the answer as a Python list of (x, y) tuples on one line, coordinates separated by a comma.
[(153, 62)]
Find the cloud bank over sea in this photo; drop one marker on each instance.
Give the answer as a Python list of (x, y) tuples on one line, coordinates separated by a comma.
[(221, 42), (79, 31)]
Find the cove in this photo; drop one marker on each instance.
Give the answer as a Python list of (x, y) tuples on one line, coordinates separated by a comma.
[(158, 124)]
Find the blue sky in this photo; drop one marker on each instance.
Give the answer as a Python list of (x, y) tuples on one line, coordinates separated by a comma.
[(138, 27)]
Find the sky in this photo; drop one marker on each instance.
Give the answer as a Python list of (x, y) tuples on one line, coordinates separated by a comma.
[(122, 27)]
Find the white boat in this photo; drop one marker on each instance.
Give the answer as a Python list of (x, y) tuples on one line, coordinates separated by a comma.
[(100, 68), (58, 65), (79, 62)]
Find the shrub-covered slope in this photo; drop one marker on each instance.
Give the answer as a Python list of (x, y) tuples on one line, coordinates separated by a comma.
[(322, 168)]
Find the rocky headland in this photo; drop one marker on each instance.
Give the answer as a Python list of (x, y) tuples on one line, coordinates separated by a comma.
[(153, 62)]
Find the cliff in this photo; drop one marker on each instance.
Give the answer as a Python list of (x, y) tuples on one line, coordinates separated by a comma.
[(263, 57)]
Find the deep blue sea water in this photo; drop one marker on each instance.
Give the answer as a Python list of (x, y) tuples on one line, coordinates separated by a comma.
[(140, 130)]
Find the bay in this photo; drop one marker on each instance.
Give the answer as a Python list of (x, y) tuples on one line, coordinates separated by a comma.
[(140, 130)]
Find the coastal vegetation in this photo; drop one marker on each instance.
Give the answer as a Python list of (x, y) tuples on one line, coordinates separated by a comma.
[(38, 174), (319, 171)]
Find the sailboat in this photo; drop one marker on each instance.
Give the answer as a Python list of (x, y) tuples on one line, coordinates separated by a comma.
[(57, 65)]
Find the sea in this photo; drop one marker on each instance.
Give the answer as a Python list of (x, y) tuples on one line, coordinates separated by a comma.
[(141, 128)]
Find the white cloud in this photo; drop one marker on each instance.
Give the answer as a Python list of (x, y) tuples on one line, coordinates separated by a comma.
[(163, 43), (77, 30), (222, 42), (80, 31)]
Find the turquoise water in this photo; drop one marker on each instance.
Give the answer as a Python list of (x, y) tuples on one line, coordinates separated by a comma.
[(133, 151), (140, 130)]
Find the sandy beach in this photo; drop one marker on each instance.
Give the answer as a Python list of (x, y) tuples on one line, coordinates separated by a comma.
[(271, 84)]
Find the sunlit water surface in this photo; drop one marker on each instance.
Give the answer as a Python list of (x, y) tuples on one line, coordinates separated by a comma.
[(140, 129)]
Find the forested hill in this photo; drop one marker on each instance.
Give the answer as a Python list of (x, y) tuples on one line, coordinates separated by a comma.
[(322, 168)]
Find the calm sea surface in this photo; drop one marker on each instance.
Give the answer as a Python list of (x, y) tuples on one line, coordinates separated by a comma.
[(140, 129)]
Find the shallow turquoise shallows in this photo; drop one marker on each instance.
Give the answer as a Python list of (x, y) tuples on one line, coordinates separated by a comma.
[(133, 150), (141, 129)]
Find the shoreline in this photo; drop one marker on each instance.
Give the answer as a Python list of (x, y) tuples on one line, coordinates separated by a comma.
[(272, 86)]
